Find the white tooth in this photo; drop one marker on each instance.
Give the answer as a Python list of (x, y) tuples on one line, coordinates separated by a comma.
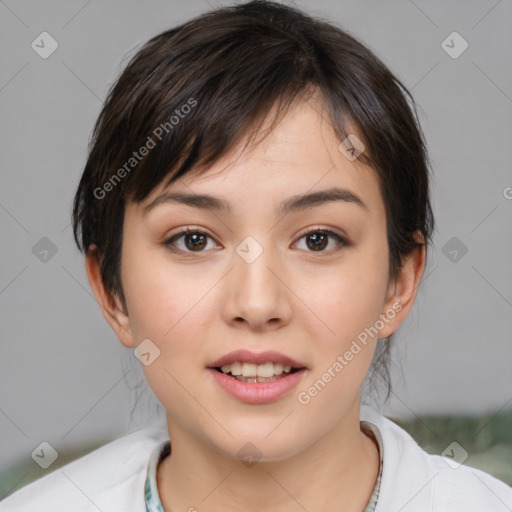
[(265, 370), (236, 368), (225, 368), (287, 368), (278, 368), (249, 370)]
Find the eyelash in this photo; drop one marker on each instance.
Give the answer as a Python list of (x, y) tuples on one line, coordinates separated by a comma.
[(340, 240)]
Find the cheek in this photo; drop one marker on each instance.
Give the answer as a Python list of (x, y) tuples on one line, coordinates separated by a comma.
[(348, 302), (359, 301), (349, 299), (164, 303), (173, 310), (351, 306)]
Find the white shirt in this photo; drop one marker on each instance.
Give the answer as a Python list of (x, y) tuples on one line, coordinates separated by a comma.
[(112, 478)]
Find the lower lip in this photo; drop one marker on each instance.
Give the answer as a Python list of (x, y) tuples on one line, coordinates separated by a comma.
[(257, 392)]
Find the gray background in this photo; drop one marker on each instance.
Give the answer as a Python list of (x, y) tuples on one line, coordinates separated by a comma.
[(66, 379)]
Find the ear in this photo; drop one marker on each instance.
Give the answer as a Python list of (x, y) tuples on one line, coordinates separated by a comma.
[(110, 305), (403, 288)]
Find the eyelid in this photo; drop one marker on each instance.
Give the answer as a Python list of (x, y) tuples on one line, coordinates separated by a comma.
[(184, 230), (327, 230)]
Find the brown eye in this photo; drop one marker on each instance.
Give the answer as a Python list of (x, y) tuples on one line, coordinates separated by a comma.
[(195, 241), (318, 239), (188, 241)]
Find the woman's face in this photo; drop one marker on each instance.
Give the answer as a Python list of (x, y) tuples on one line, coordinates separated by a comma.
[(252, 280)]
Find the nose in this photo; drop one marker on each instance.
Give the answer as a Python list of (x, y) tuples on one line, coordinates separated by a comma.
[(257, 297)]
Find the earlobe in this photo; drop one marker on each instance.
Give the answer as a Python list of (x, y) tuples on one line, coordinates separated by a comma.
[(110, 305), (403, 288)]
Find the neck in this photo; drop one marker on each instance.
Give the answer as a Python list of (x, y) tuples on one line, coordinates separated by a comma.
[(337, 472)]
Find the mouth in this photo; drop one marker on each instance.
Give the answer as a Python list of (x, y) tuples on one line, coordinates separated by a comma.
[(251, 372), (256, 378), (247, 366)]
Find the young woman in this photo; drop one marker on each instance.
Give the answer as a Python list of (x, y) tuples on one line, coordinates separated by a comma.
[(255, 214)]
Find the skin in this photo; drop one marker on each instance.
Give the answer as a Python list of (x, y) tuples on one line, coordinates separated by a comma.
[(307, 304)]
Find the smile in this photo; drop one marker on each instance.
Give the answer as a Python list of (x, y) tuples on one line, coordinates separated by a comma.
[(251, 372)]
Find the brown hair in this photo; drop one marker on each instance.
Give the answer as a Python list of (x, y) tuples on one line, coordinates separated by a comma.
[(190, 94)]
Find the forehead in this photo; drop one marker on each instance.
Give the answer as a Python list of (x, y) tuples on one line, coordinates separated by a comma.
[(300, 155)]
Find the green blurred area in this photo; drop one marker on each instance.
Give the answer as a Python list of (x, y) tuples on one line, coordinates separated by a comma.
[(487, 439)]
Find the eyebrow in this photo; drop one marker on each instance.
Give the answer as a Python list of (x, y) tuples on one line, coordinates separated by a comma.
[(292, 204)]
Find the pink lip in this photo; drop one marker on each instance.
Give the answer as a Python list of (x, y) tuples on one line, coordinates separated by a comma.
[(245, 356), (257, 392)]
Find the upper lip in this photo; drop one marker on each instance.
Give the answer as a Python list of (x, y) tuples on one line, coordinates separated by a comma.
[(246, 356)]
